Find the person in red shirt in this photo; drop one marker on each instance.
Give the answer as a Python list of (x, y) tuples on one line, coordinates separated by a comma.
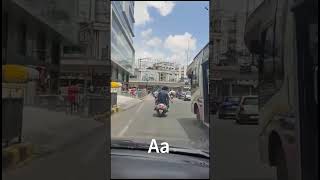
[(72, 94)]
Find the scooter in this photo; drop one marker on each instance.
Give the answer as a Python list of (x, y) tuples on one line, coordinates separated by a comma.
[(161, 109)]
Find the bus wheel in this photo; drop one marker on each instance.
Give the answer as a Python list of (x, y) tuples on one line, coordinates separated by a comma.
[(282, 171)]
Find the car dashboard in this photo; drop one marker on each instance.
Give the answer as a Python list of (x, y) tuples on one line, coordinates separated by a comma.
[(139, 164)]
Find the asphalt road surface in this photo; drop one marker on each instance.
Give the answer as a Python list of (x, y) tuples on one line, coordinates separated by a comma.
[(84, 158), (179, 128), (235, 146), (236, 152)]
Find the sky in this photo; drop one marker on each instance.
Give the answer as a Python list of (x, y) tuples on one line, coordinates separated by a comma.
[(167, 29)]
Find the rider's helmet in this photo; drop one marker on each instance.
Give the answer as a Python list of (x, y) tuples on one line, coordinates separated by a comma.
[(165, 88)]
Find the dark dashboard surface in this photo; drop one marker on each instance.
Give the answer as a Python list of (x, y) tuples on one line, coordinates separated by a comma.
[(138, 164)]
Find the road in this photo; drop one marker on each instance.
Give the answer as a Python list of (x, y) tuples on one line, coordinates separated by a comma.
[(235, 146), (236, 152), (84, 158), (178, 128)]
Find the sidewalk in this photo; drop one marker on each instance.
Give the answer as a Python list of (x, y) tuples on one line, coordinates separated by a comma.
[(50, 130), (125, 102)]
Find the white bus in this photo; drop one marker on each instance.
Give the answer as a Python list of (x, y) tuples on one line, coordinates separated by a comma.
[(198, 72), (284, 33)]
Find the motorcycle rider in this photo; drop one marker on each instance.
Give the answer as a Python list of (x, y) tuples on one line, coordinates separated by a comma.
[(163, 97)]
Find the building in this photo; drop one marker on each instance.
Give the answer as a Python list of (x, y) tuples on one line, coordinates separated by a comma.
[(86, 63), (230, 53), (122, 50), (182, 73), (159, 72), (32, 35)]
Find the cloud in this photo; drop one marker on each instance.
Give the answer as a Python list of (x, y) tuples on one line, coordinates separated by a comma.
[(172, 48), (178, 43), (154, 42), (146, 33), (141, 14), (164, 7)]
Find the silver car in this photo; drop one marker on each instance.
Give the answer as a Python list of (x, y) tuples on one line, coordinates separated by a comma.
[(248, 111), (187, 96)]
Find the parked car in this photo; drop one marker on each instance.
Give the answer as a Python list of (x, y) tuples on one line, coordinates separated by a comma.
[(229, 107), (248, 111), (187, 96)]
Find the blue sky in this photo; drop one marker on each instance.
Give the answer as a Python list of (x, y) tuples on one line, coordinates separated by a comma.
[(165, 29)]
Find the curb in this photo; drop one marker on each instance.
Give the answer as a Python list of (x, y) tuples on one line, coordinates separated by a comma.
[(16, 154), (115, 109), (100, 117)]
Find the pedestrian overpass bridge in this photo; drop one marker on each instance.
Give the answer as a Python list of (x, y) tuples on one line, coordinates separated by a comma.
[(156, 83)]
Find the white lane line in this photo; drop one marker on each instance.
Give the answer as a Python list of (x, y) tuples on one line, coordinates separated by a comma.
[(124, 130)]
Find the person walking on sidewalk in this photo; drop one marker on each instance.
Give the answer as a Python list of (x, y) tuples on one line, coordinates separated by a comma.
[(72, 97)]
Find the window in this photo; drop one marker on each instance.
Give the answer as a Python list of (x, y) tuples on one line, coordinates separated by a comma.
[(55, 52), (233, 99), (72, 50), (250, 101), (41, 46), (22, 40), (121, 50)]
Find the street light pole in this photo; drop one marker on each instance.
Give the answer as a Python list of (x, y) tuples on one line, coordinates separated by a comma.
[(188, 54)]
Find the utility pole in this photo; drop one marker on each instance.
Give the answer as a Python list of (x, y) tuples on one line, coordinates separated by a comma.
[(188, 54)]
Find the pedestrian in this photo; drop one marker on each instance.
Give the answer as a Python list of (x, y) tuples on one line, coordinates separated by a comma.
[(130, 92), (71, 97), (77, 96)]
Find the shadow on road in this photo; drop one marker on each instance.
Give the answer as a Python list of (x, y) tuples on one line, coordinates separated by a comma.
[(197, 132)]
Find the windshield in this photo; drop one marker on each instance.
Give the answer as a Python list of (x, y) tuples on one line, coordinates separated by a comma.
[(140, 119), (250, 101), (232, 99)]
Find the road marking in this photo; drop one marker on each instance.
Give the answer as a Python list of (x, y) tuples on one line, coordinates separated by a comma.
[(124, 130)]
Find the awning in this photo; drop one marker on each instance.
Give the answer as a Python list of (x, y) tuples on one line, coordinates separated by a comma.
[(116, 85), (13, 73)]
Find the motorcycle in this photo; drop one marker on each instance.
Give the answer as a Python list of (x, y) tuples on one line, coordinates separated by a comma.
[(161, 109)]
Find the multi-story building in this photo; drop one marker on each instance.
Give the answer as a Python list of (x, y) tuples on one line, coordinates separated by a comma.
[(230, 52), (87, 62), (32, 35), (122, 33), (182, 70), (160, 72)]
